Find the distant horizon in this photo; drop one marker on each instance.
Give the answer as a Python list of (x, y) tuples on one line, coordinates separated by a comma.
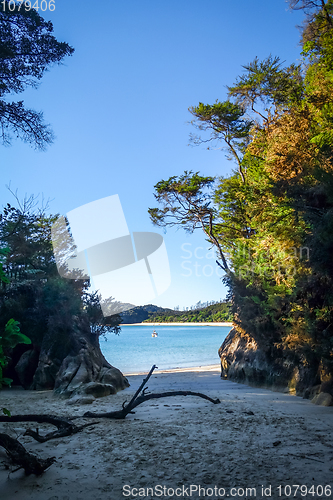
[(193, 307)]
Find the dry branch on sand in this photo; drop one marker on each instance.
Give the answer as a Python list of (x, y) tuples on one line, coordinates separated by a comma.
[(65, 427), (21, 457)]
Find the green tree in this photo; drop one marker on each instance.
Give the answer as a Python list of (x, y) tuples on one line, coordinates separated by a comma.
[(277, 125), (185, 201), (27, 49), (52, 311), (11, 335), (10, 338), (225, 121)]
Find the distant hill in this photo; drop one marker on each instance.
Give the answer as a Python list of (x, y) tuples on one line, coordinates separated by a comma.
[(153, 314), (142, 313)]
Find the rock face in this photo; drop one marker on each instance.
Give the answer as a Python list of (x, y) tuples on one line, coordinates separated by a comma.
[(323, 399), (26, 367), (243, 360), (98, 390), (71, 363)]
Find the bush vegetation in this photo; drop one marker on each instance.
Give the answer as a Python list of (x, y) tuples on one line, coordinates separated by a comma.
[(271, 219)]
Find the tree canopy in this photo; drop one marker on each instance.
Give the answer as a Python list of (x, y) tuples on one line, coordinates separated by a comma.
[(272, 217), (27, 49), (46, 306)]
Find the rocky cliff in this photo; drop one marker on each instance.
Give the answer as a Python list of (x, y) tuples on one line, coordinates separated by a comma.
[(70, 362), (244, 360)]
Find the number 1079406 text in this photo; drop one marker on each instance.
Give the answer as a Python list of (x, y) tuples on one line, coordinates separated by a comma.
[(38, 5)]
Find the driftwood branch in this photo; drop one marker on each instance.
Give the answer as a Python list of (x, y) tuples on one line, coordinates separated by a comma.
[(65, 426), (138, 399), (146, 397), (19, 456), (121, 414), (145, 380), (62, 432)]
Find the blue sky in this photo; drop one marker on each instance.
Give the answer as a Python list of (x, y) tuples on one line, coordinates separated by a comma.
[(119, 110)]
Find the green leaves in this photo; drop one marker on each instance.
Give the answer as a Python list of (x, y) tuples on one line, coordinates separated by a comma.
[(225, 121), (266, 83), (27, 49), (184, 200), (272, 221), (191, 184), (225, 118), (8, 340), (3, 253), (12, 335)]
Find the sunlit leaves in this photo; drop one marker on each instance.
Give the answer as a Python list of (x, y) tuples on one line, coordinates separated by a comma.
[(266, 85), (184, 200), (273, 218)]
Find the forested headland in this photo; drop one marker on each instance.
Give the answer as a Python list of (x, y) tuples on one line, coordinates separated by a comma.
[(214, 313), (271, 219), (219, 311)]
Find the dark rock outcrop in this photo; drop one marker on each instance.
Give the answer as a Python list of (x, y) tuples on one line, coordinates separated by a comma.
[(69, 362), (323, 399), (26, 367), (243, 360), (98, 390)]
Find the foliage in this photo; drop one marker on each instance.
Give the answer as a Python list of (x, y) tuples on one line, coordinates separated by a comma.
[(99, 324), (11, 335), (227, 122), (272, 217), (219, 312), (8, 340), (43, 303), (267, 83), (185, 202), (27, 49)]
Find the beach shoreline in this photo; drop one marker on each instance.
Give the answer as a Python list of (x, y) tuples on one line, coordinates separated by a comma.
[(178, 324), (190, 369)]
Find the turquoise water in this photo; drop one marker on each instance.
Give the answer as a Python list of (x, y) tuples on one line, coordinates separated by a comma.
[(135, 350)]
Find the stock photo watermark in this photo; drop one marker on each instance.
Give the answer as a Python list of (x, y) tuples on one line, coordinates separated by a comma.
[(200, 262), (127, 269), (194, 262), (260, 491)]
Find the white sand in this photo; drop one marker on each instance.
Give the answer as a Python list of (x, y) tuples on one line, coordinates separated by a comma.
[(176, 442), (178, 324)]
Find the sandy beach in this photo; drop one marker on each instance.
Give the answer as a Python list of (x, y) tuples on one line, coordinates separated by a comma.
[(179, 324), (173, 446)]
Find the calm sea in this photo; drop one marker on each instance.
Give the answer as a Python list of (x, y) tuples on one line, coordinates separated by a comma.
[(135, 350)]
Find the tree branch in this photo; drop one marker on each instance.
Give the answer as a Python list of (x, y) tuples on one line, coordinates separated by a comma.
[(19, 456)]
